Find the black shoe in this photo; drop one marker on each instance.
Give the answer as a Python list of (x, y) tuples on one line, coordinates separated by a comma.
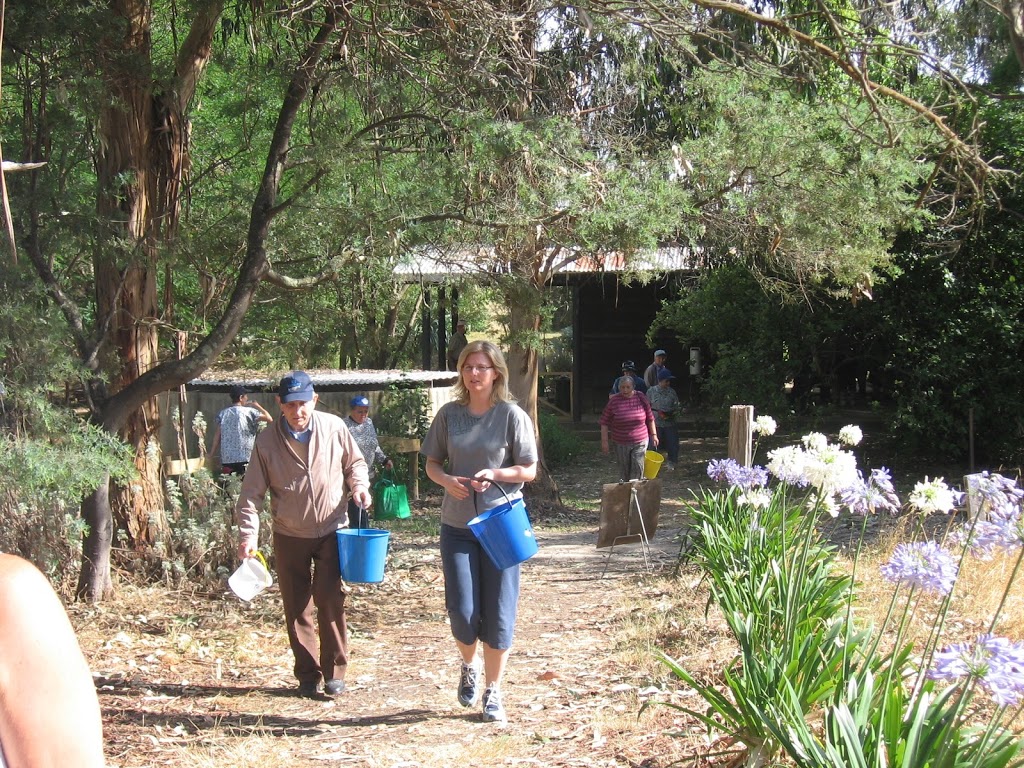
[(309, 689), (334, 687)]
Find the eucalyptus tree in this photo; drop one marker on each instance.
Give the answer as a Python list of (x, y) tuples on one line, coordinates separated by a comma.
[(113, 101), (666, 135)]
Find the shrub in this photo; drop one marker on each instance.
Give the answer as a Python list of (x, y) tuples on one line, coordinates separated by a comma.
[(806, 681), (560, 444), (50, 457)]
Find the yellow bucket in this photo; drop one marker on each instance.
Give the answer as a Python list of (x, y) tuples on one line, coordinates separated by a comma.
[(652, 463)]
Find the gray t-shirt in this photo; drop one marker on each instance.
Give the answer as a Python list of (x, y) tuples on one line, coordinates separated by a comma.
[(502, 437)]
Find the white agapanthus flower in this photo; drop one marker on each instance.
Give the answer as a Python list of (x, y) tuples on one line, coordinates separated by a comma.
[(758, 498), (933, 496), (787, 464), (826, 503), (831, 469), (765, 425), (850, 435), (815, 441)]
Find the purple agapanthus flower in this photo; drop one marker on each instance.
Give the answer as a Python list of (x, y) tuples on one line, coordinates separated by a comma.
[(996, 533), (922, 564), (1001, 493), (882, 478), (746, 478), (876, 494), (995, 662), (736, 475), (718, 469)]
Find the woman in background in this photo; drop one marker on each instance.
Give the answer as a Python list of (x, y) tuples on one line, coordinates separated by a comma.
[(361, 426), (629, 420), (480, 440)]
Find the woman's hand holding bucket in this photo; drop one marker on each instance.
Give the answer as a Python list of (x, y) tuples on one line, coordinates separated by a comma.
[(482, 480), (456, 486)]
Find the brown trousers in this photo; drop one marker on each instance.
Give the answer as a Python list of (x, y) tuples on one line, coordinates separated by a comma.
[(308, 575)]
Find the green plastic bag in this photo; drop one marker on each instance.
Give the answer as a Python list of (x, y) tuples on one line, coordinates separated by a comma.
[(390, 499)]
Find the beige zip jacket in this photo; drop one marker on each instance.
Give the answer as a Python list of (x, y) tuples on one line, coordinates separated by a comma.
[(307, 500)]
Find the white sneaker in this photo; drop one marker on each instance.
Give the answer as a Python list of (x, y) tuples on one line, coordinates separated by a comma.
[(493, 712)]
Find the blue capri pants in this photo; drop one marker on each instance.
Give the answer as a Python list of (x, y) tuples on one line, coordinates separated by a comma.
[(481, 600)]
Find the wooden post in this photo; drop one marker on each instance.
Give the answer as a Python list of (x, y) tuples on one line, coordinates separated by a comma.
[(426, 330), (741, 434), (442, 329), (577, 358)]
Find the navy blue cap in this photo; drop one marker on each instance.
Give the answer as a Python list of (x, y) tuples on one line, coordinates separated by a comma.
[(359, 401), (665, 373), (296, 386)]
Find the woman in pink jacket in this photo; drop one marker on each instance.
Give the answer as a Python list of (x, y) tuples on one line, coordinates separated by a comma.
[(629, 421)]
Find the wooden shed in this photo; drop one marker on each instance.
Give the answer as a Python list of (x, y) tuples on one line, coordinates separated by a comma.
[(612, 310), (208, 395)]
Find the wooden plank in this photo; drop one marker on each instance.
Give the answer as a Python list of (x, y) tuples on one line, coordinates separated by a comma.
[(741, 434), (619, 518), (399, 444), (174, 467)]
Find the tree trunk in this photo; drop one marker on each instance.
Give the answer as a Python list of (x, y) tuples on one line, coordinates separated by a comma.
[(94, 579), (140, 168), (524, 302), (1014, 11)]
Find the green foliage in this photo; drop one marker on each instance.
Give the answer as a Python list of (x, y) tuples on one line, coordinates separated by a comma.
[(784, 605), (202, 541), (759, 342), (561, 445), (403, 412), (949, 325), (785, 186), (49, 457)]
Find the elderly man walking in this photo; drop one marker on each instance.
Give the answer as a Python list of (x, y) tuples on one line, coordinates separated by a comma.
[(311, 464), (651, 374)]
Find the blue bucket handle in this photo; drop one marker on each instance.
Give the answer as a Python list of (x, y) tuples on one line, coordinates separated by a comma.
[(496, 484)]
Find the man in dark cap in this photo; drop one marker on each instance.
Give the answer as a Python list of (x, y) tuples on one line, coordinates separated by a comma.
[(628, 369), (311, 465), (666, 406), (237, 427)]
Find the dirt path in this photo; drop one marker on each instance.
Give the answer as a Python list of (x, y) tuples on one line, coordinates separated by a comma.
[(202, 679)]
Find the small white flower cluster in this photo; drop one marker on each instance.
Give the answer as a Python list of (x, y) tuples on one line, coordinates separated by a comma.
[(850, 435), (933, 496), (758, 498), (821, 464), (765, 426)]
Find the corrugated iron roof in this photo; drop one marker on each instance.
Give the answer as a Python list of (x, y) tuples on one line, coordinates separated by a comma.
[(434, 264), (324, 379)]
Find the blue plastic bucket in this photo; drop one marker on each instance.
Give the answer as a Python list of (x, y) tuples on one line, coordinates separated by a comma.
[(361, 554), (505, 534)]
